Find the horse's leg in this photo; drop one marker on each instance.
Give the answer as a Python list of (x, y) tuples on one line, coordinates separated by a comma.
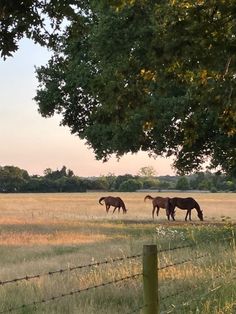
[(153, 211), (107, 208), (158, 209), (189, 214), (172, 213), (168, 214), (186, 216), (114, 210)]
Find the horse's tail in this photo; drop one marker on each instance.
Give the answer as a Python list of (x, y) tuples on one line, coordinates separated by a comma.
[(148, 197), (100, 200)]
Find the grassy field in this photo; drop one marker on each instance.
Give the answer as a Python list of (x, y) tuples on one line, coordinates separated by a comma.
[(42, 233)]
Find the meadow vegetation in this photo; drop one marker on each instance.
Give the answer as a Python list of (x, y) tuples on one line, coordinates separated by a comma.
[(41, 233)]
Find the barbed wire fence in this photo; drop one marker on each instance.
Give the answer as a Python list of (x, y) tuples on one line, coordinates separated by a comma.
[(150, 272)]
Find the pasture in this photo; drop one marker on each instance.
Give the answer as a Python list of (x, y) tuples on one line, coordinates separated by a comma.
[(42, 233)]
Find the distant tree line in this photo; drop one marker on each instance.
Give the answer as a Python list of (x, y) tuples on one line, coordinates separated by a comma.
[(16, 180)]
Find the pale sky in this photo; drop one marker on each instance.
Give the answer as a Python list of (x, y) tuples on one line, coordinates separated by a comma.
[(34, 143)]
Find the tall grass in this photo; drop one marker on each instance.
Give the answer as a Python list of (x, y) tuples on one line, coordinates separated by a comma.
[(40, 233)]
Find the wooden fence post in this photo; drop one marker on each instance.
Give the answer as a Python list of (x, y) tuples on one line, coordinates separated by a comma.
[(150, 280)]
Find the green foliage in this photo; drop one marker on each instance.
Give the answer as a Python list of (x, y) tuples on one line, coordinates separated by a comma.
[(130, 185), (100, 183), (165, 70), (12, 179), (38, 20), (182, 184), (212, 233), (150, 183), (165, 185), (57, 174), (120, 179)]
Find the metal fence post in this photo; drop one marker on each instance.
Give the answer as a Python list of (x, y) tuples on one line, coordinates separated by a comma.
[(150, 280)]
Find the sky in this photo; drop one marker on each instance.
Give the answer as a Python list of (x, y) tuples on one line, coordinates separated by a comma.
[(34, 143)]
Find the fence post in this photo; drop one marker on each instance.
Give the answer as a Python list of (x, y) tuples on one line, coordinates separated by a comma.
[(150, 280)]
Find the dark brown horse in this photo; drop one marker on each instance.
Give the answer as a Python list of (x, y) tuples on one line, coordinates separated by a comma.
[(116, 202), (187, 204), (160, 202)]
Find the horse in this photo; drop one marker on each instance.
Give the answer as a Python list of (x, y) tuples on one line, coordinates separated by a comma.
[(187, 204), (160, 202), (116, 202)]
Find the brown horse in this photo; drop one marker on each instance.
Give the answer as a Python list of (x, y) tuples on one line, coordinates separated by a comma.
[(187, 204), (160, 202), (116, 202)]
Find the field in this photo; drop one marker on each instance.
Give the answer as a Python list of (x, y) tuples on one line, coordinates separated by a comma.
[(43, 233)]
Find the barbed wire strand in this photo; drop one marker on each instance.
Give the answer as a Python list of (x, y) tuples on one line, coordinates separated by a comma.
[(182, 262), (73, 292), (95, 286), (60, 271), (176, 248), (179, 292)]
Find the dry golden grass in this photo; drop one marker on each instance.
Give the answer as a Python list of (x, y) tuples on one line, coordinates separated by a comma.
[(58, 238), (57, 219), (51, 208), (43, 232)]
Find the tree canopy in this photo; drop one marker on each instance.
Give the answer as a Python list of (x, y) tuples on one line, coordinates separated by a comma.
[(40, 20), (157, 76)]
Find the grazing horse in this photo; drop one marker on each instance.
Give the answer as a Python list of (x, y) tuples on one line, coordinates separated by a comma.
[(116, 202), (187, 204), (160, 202)]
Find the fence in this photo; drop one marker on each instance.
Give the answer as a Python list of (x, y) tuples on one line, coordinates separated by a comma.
[(149, 274)]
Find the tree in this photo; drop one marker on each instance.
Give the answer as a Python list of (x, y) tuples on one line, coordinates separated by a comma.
[(57, 174), (110, 178), (165, 70), (157, 76), (12, 179), (147, 171), (150, 183), (182, 183), (39, 20), (130, 185), (120, 179)]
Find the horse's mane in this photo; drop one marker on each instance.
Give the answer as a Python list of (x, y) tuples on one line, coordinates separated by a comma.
[(122, 204)]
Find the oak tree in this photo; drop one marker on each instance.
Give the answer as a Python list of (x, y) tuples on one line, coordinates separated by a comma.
[(157, 76)]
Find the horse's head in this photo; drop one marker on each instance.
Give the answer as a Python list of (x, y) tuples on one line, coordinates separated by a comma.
[(200, 215)]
